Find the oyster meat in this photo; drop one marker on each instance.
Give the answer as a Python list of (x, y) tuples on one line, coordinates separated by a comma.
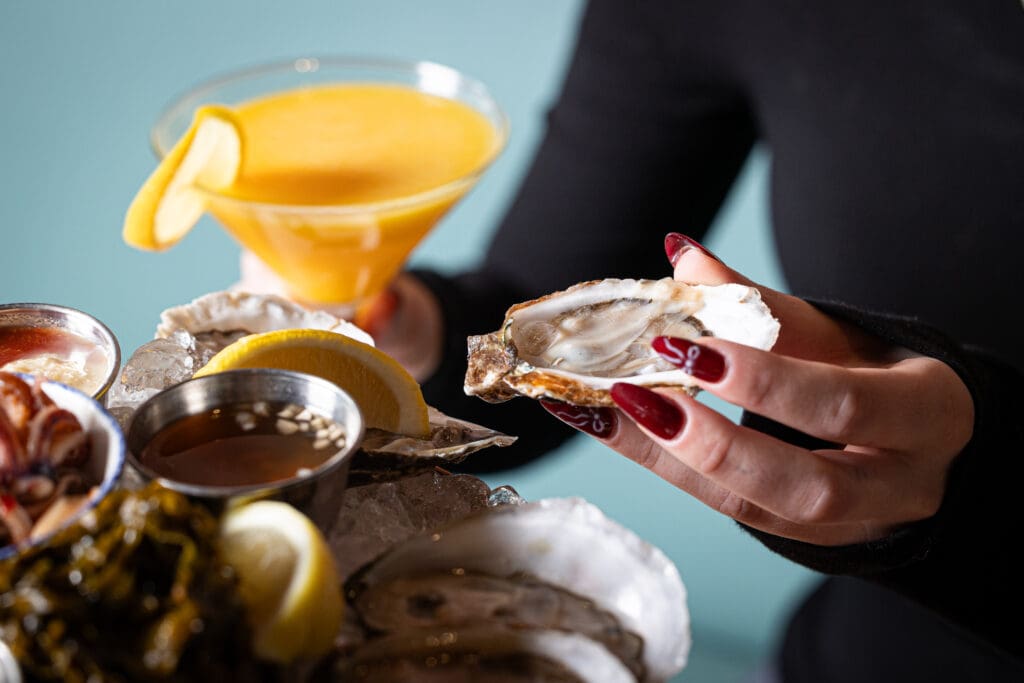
[(459, 599), (481, 653), (190, 334), (544, 556), (573, 345)]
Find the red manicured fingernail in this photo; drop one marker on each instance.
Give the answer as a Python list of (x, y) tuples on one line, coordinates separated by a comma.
[(650, 409), (693, 359), (374, 315), (676, 244), (599, 422)]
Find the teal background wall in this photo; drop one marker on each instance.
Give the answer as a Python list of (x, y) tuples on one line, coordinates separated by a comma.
[(80, 85)]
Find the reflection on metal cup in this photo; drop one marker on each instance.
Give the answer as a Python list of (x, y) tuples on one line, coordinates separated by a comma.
[(314, 490)]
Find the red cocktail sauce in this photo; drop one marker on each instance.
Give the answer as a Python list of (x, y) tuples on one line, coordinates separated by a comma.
[(18, 342)]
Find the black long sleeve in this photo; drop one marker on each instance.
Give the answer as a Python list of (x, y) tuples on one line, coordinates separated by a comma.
[(955, 563), (620, 166), (896, 137)]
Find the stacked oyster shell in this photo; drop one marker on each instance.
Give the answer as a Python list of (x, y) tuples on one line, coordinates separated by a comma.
[(546, 591), (573, 345), (187, 336)]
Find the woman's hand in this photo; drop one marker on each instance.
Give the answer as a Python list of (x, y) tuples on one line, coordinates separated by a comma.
[(902, 417)]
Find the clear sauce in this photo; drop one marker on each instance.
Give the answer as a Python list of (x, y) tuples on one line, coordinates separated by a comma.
[(243, 445), (54, 353)]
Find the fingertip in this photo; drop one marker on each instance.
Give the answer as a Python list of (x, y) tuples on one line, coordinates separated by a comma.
[(692, 358), (677, 244), (649, 409)]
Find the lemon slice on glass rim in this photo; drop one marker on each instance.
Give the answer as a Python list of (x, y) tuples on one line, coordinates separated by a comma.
[(170, 202), (387, 395), (287, 579)]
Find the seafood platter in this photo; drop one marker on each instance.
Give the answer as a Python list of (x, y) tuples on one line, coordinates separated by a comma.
[(142, 539)]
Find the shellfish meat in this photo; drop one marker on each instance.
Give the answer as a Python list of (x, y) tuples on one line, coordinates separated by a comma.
[(573, 345), (482, 653), (566, 543)]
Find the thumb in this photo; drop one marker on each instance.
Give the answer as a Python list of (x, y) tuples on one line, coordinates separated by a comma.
[(806, 332)]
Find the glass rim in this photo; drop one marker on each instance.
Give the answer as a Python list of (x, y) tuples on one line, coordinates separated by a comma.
[(187, 101)]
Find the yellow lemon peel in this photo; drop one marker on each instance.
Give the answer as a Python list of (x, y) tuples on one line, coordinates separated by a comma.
[(170, 202), (387, 395), (287, 579)]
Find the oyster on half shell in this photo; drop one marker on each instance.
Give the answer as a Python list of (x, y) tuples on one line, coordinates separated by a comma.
[(225, 312), (564, 543), (574, 344), (188, 335)]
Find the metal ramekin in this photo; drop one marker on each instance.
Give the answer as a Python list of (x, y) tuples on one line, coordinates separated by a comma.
[(317, 494)]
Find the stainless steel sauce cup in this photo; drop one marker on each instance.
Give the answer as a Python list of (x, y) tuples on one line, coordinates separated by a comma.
[(317, 493)]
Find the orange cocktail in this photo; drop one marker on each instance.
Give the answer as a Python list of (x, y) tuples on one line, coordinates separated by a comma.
[(347, 166)]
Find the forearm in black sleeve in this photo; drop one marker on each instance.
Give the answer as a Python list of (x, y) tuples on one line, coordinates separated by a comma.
[(957, 562), (633, 149)]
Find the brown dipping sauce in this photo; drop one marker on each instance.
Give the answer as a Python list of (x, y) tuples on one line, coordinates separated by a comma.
[(243, 445)]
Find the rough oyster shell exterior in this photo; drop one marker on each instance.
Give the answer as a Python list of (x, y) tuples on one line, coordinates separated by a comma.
[(573, 345), (568, 543), (481, 652), (227, 311), (211, 321)]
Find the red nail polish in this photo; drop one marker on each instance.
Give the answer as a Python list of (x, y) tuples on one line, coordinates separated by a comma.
[(599, 422), (690, 357), (8, 502), (375, 314), (677, 243), (650, 409)]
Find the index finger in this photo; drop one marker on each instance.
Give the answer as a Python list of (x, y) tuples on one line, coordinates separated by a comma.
[(806, 332)]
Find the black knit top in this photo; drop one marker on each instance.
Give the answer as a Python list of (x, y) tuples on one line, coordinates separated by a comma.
[(896, 137)]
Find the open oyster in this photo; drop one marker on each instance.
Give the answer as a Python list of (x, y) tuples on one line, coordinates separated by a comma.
[(557, 564), (229, 311), (190, 334), (574, 344), (482, 653)]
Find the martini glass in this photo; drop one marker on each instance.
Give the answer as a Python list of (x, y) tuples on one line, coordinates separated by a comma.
[(336, 253)]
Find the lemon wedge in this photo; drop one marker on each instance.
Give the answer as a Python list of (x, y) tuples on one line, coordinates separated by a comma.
[(287, 579), (168, 205), (387, 395)]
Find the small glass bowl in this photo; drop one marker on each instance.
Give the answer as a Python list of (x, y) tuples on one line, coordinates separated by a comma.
[(316, 493), (41, 315), (106, 462)]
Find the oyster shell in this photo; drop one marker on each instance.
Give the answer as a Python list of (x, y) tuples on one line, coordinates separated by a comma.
[(565, 542), (449, 442), (482, 653), (228, 311), (190, 334), (573, 345), (459, 600)]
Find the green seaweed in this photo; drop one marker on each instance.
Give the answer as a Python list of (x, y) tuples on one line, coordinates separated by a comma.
[(135, 591)]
